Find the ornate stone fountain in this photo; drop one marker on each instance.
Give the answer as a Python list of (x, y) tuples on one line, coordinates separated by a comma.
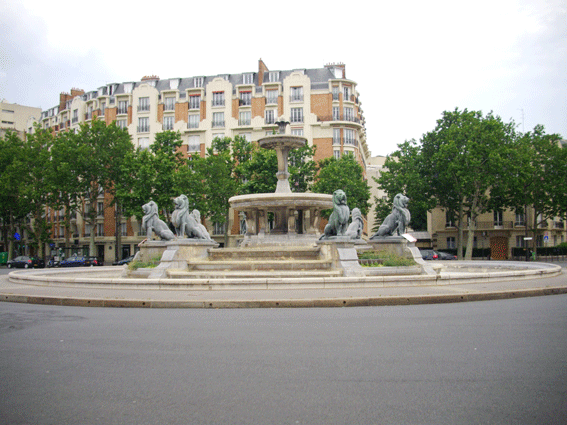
[(296, 215)]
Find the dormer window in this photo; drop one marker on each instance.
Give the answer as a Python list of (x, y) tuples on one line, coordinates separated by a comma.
[(248, 79)]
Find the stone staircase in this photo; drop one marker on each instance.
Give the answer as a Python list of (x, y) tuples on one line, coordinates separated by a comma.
[(259, 263)]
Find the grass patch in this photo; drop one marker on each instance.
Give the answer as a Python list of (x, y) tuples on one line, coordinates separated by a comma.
[(385, 259), (135, 265)]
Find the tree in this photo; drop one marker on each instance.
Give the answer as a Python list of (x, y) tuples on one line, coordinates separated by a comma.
[(101, 149), (36, 186), (403, 174), (216, 171), (12, 170), (538, 168), (64, 174), (346, 174), (463, 159)]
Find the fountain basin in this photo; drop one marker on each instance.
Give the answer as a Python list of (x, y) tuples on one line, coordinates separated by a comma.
[(296, 215)]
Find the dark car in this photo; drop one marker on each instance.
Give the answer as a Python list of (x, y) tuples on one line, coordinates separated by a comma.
[(25, 262), (445, 256), (428, 254), (80, 261), (123, 261)]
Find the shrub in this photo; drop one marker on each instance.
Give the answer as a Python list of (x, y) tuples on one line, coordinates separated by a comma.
[(387, 259)]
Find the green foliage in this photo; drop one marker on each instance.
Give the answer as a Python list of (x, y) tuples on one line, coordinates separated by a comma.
[(387, 259), (346, 174), (135, 265)]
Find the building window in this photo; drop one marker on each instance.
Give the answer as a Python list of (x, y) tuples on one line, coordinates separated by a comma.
[(297, 131), (245, 98), (102, 108), (169, 104), (449, 219), (270, 116), (123, 229), (121, 124), (271, 97), (193, 121), (273, 76), (348, 114), (198, 81), (218, 98), (349, 137), (144, 142), (336, 113), (498, 222), (100, 209), (75, 118), (337, 154), (195, 102), (143, 125), (296, 115), (89, 113), (244, 118), (336, 136), (218, 228), (451, 242), (123, 107), (218, 119), (335, 92), (520, 218), (143, 104), (346, 91), (296, 94), (248, 79), (194, 144), (168, 123), (100, 230)]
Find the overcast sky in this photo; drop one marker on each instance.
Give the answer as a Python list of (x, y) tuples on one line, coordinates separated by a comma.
[(412, 60)]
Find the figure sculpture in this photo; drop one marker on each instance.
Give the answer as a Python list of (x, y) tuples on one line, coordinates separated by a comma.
[(185, 222), (338, 221), (152, 223), (396, 222), (354, 230)]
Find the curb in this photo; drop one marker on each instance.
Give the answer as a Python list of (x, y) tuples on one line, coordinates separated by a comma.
[(288, 303)]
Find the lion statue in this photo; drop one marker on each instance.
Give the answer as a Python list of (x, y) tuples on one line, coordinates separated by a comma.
[(355, 228), (338, 221), (396, 222), (185, 222), (152, 223)]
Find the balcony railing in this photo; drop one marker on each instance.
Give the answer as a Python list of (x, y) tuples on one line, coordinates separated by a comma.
[(122, 110), (558, 224), (338, 118), (296, 98), (143, 128), (487, 225), (143, 108)]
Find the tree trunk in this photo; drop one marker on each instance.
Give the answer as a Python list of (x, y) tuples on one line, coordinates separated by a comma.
[(460, 233)]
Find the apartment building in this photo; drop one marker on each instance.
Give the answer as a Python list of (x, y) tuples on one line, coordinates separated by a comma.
[(497, 232), (321, 104), (17, 118)]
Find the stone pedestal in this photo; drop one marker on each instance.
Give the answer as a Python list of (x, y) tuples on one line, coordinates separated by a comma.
[(176, 253), (400, 246), (344, 255)]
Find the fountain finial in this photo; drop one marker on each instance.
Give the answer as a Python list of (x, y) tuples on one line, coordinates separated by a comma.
[(282, 124)]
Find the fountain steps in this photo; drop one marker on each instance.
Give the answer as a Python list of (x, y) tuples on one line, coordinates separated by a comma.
[(264, 254)]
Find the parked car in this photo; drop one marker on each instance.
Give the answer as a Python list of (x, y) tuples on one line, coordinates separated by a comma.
[(80, 261), (428, 254), (445, 256), (123, 261), (25, 262)]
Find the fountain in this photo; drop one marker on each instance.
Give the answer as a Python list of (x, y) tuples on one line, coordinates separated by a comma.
[(296, 215)]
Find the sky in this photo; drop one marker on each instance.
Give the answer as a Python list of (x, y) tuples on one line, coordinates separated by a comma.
[(411, 60)]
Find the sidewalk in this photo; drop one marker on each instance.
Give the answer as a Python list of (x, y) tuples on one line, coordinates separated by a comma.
[(344, 297)]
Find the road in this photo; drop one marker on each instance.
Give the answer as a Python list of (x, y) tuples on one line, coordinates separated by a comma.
[(496, 362)]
